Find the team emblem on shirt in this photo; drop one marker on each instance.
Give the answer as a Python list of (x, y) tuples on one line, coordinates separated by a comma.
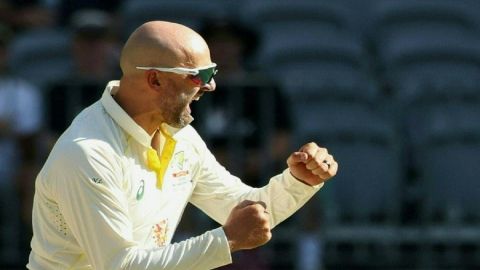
[(160, 232), (179, 165), (179, 160)]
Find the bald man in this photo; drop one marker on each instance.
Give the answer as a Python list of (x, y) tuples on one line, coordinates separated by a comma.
[(116, 183)]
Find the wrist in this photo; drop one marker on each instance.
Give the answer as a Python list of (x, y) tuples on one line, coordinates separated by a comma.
[(298, 179), (231, 244)]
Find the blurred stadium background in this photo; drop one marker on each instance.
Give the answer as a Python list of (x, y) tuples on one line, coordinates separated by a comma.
[(390, 87)]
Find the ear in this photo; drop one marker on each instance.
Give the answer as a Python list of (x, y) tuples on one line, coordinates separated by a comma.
[(152, 79)]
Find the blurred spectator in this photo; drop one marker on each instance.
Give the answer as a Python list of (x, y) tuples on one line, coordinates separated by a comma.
[(93, 52), (68, 8), (309, 242), (26, 14), (20, 122), (93, 45)]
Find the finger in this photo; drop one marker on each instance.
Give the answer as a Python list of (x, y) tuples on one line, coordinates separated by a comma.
[(318, 159), (326, 174), (308, 146), (244, 204), (311, 149), (327, 163), (259, 210), (333, 168), (329, 159), (263, 204), (297, 157), (258, 207), (325, 166), (321, 172)]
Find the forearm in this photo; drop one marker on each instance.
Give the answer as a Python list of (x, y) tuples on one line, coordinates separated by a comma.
[(207, 251), (284, 195)]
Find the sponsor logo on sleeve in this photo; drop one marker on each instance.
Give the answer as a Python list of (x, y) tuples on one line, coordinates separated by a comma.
[(160, 232)]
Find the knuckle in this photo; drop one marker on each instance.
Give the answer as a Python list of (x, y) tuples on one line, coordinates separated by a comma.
[(312, 164), (259, 208), (251, 210), (268, 236), (255, 212), (319, 159), (309, 146)]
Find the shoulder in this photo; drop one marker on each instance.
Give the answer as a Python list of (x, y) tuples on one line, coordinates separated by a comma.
[(93, 129), (76, 153), (75, 161), (91, 142), (190, 135)]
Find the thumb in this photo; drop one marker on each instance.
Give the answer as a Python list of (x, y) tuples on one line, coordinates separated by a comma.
[(297, 157)]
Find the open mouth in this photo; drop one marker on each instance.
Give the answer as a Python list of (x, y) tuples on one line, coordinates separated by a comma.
[(195, 98)]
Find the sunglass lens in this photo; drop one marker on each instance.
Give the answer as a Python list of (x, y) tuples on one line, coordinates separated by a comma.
[(207, 74)]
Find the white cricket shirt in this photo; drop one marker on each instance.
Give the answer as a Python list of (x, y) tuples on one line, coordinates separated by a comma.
[(97, 206)]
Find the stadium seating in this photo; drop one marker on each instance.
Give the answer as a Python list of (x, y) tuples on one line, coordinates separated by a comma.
[(436, 61), (41, 55), (446, 141), (426, 46), (188, 12), (389, 16), (361, 206), (265, 13), (304, 59), (441, 134)]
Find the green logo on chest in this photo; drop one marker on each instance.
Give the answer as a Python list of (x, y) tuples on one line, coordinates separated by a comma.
[(141, 190)]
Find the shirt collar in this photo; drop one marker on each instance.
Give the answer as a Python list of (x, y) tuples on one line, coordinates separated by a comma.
[(124, 120)]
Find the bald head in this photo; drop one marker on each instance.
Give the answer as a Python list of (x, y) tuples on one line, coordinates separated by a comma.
[(163, 44)]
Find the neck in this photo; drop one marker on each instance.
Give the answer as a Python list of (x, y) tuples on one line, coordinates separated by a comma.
[(137, 105)]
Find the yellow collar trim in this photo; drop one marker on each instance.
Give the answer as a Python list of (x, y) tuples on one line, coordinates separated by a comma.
[(160, 164)]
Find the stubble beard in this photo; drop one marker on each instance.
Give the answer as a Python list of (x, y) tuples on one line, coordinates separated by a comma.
[(178, 114), (180, 118), (185, 119)]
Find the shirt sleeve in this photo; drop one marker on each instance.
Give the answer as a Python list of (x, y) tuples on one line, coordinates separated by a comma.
[(88, 188), (217, 191)]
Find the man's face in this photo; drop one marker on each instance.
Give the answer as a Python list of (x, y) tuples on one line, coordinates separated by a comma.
[(180, 92)]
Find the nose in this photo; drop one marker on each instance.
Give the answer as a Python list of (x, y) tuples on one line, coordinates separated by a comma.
[(209, 86)]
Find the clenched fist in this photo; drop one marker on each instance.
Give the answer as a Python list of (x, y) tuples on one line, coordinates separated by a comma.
[(247, 226), (312, 164)]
